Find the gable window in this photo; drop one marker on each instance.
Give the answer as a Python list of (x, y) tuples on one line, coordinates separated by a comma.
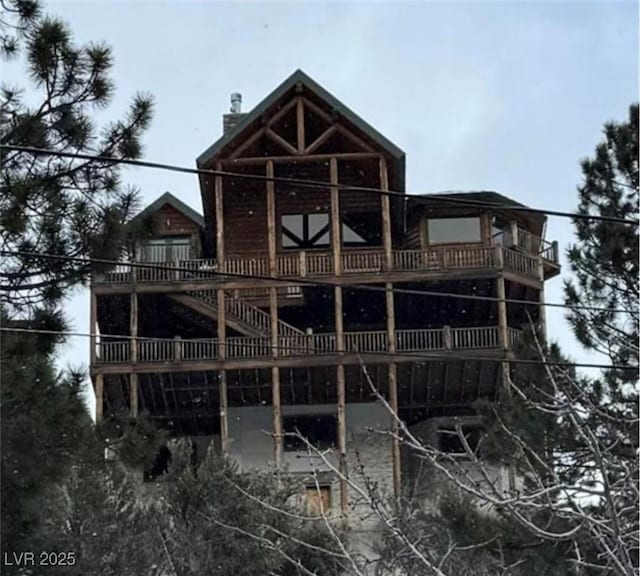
[(454, 230), (167, 249), (305, 231), (320, 430)]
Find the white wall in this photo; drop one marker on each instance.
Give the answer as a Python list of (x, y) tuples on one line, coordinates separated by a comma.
[(252, 446)]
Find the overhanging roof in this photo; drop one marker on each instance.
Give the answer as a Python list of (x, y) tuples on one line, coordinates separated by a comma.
[(299, 77), (179, 205)]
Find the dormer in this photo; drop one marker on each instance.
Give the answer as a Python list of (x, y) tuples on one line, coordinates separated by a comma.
[(173, 231)]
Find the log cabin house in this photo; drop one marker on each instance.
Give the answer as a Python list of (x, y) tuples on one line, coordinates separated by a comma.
[(256, 317)]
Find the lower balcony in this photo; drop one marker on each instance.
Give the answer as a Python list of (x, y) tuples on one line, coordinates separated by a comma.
[(304, 348)]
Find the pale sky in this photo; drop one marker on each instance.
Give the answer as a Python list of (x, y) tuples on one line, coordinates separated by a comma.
[(504, 96)]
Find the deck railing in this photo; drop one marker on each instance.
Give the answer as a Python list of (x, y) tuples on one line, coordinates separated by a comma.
[(532, 244), (305, 264), (421, 340)]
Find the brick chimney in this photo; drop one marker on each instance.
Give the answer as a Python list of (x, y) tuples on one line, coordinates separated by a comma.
[(235, 115)]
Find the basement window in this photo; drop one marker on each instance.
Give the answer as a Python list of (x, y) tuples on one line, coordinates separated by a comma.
[(318, 500), (319, 430), (454, 230), (449, 442)]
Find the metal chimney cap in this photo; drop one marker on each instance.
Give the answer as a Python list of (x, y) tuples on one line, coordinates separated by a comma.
[(236, 103)]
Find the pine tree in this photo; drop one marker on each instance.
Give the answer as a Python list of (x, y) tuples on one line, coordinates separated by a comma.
[(43, 422), (605, 258), (54, 205)]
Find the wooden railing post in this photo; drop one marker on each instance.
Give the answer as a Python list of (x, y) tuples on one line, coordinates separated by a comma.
[(499, 257), (513, 225), (446, 337), (177, 348), (303, 264)]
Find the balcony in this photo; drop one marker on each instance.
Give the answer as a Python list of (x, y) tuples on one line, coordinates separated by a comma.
[(176, 351), (406, 264)]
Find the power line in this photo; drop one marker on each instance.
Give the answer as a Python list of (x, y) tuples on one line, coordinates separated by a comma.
[(416, 355), (306, 281), (310, 183)]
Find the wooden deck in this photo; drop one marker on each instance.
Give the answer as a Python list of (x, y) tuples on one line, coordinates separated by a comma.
[(353, 263), (151, 351)]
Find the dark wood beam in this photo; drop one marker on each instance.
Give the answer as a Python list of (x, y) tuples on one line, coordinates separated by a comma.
[(300, 127), (280, 141), (247, 143), (320, 140)]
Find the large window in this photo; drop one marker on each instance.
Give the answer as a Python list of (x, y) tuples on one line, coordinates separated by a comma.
[(305, 231), (454, 230), (320, 430)]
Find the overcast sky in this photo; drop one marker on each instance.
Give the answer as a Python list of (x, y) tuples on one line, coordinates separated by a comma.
[(504, 96)]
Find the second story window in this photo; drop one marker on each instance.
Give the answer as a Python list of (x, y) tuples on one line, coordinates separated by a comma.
[(304, 231), (454, 230)]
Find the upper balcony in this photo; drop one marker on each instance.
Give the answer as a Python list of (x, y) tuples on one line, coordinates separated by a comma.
[(530, 259)]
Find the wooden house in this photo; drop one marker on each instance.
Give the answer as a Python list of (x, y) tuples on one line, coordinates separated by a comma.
[(260, 315)]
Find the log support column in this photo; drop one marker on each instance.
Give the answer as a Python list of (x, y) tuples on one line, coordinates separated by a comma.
[(391, 328), (99, 390), (336, 230), (221, 324), (93, 327), (542, 315), (272, 242), (133, 377)]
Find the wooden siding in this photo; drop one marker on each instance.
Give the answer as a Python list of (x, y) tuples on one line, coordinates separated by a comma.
[(171, 222)]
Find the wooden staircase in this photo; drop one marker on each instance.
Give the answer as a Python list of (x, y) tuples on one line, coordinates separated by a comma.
[(245, 318)]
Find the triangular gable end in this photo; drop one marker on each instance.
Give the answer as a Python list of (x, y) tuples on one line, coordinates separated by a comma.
[(168, 199), (272, 128)]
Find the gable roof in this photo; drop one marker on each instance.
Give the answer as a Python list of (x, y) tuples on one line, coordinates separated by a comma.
[(299, 77), (179, 205)]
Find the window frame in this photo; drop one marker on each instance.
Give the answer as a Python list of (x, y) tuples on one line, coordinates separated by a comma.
[(305, 227)]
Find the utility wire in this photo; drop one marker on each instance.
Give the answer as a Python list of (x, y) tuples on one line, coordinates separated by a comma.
[(417, 355), (309, 183), (305, 281)]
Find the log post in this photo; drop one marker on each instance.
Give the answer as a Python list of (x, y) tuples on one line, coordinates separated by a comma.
[(542, 315), (93, 327), (336, 226), (133, 377), (133, 395), (300, 135), (387, 239), (221, 316), (219, 207), (446, 337), (99, 391), (391, 326), (272, 242), (502, 312), (514, 234)]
